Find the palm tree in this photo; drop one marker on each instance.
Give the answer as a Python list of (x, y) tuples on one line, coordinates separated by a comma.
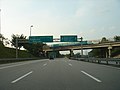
[(1, 38), (19, 37), (104, 40), (117, 38)]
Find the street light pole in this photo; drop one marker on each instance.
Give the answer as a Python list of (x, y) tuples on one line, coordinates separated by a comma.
[(81, 47), (30, 29), (0, 21), (16, 47)]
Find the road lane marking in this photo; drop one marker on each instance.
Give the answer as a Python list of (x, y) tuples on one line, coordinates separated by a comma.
[(16, 80), (108, 66), (20, 64), (45, 64), (12, 66), (111, 67), (91, 76), (70, 64)]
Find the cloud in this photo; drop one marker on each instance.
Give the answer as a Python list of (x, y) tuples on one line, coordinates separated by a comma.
[(92, 31), (95, 8), (103, 11), (88, 18), (83, 8), (80, 12), (112, 28)]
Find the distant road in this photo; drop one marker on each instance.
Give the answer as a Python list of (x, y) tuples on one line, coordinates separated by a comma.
[(58, 74)]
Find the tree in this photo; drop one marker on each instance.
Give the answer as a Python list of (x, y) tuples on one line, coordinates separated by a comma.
[(77, 55), (1, 37), (35, 49), (18, 37), (7, 41), (100, 53), (117, 38), (104, 40)]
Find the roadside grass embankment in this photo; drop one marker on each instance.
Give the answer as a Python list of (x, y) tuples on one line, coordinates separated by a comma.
[(8, 55)]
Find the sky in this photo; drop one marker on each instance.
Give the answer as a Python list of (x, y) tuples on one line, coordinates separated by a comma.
[(90, 19)]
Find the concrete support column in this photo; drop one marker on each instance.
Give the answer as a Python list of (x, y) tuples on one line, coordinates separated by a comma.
[(81, 52), (106, 54), (46, 54), (71, 53), (109, 51)]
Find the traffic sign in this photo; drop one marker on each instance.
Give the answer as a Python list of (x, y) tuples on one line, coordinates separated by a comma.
[(68, 38), (23, 41), (39, 39)]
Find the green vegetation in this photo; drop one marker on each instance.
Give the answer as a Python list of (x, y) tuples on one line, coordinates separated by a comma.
[(101, 53), (36, 49), (116, 51), (6, 52), (17, 37)]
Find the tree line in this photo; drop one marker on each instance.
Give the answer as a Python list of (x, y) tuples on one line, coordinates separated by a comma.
[(36, 49), (101, 53)]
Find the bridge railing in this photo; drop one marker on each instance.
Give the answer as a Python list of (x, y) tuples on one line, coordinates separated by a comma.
[(112, 61)]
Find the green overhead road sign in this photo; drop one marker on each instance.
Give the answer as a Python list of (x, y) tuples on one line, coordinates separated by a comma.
[(23, 41), (39, 39), (68, 38)]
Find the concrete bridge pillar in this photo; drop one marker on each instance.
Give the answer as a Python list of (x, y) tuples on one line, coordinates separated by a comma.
[(71, 53), (45, 53), (81, 52), (106, 54), (109, 51), (81, 47)]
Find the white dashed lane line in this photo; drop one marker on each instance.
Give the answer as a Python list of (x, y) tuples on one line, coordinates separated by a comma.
[(91, 76), (15, 65), (16, 80), (45, 64), (70, 64)]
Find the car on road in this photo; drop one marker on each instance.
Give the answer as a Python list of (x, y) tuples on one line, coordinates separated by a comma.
[(51, 58)]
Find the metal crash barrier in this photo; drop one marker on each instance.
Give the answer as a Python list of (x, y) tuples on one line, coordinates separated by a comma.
[(114, 61)]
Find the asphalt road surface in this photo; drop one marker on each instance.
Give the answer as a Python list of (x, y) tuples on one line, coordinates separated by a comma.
[(58, 74)]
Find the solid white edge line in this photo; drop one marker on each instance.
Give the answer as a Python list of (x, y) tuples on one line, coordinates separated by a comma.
[(21, 77), (91, 76), (19, 64), (111, 67), (12, 66)]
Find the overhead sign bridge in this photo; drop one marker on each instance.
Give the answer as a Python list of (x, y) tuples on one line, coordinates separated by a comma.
[(40, 39), (63, 38)]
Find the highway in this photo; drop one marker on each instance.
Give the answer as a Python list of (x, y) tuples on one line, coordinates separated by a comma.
[(58, 74)]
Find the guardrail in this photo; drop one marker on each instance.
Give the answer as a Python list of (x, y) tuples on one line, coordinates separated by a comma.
[(112, 61)]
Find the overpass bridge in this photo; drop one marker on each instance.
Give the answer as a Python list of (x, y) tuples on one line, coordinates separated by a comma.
[(77, 46), (108, 45)]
